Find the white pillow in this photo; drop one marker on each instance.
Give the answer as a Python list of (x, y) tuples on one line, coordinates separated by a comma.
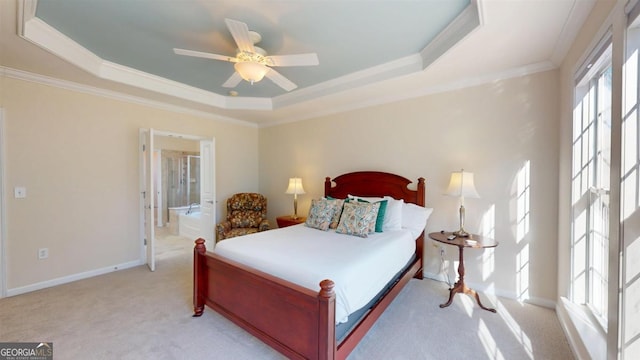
[(393, 214), (414, 218)]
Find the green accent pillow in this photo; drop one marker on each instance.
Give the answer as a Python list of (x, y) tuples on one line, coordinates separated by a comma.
[(381, 212)]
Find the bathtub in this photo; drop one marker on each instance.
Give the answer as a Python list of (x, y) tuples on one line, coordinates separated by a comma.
[(189, 225), (174, 216)]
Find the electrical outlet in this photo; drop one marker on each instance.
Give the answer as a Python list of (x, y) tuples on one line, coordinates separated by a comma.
[(43, 253)]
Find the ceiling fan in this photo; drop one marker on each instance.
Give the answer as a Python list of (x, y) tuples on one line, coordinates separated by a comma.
[(252, 62)]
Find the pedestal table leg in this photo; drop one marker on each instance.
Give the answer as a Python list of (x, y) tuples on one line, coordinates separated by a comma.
[(461, 287)]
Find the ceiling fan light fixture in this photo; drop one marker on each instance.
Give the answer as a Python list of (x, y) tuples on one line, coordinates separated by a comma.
[(251, 71), (251, 62)]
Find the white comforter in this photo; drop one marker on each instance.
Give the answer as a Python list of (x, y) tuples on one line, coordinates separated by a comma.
[(359, 267)]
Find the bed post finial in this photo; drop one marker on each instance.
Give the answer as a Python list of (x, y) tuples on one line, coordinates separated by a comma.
[(199, 277), (200, 247), (421, 192), (327, 185), (326, 288)]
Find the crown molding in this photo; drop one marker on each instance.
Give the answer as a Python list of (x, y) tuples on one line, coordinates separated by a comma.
[(26, 12), (403, 66), (85, 89), (43, 35), (128, 76), (579, 13), (469, 20)]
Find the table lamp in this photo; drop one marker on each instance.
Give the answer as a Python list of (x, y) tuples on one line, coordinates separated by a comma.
[(295, 188), (461, 185)]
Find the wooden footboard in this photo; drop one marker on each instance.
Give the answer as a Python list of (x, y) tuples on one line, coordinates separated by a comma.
[(296, 321)]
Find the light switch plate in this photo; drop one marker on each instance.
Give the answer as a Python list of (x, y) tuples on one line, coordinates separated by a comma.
[(20, 192)]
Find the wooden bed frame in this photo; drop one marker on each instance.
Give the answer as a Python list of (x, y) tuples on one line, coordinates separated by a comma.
[(296, 321)]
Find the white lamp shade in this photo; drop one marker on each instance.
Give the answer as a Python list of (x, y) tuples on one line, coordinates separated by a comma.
[(461, 184), (295, 186), (251, 71)]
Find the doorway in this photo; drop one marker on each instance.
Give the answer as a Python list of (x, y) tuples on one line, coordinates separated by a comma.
[(177, 195), (177, 191)]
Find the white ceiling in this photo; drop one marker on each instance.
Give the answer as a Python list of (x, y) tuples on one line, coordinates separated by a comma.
[(370, 51)]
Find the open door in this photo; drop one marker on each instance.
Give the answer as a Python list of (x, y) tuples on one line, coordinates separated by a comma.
[(207, 192), (149, 186), (148, 196)]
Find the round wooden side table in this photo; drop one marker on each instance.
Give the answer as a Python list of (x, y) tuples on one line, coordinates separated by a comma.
[(471, 241)]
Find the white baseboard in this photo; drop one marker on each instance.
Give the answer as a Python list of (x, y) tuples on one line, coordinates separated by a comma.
[(71, 278), (436, 277), (497, 292)]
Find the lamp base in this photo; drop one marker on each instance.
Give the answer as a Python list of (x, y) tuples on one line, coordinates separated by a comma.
[(461, 233)]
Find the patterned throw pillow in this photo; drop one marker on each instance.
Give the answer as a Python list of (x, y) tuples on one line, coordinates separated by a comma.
[(358, 219), (337, 211), (320, 214)]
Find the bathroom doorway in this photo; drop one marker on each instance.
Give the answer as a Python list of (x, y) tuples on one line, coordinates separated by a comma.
[(177, 192), (178, 180)]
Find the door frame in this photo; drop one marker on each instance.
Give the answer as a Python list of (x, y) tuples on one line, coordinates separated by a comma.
[(146, 183), (208, 201), (156, 132), (158, 188)]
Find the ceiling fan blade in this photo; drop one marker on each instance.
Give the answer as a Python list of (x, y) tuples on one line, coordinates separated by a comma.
[(204, 55), (240, 33), (232, 81), (294, 60), (280, 80)]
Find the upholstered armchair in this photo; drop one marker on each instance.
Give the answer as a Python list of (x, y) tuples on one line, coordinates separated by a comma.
[(246, 214)]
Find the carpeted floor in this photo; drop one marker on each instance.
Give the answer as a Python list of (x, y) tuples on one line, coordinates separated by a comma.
[(136, 314)]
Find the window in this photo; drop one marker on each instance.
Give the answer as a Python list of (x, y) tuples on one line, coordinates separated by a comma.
[(590, 183)]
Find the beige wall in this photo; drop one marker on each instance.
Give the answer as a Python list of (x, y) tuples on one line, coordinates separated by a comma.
[(490, 130), (77, 155)]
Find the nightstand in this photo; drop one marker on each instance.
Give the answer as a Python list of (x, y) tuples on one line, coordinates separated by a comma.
[(284, 221), (471, 241)]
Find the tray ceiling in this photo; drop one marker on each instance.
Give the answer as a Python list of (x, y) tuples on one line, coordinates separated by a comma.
[(376, 49)]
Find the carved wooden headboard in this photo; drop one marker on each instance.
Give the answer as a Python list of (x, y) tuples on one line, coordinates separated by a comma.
[(375, 184)]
